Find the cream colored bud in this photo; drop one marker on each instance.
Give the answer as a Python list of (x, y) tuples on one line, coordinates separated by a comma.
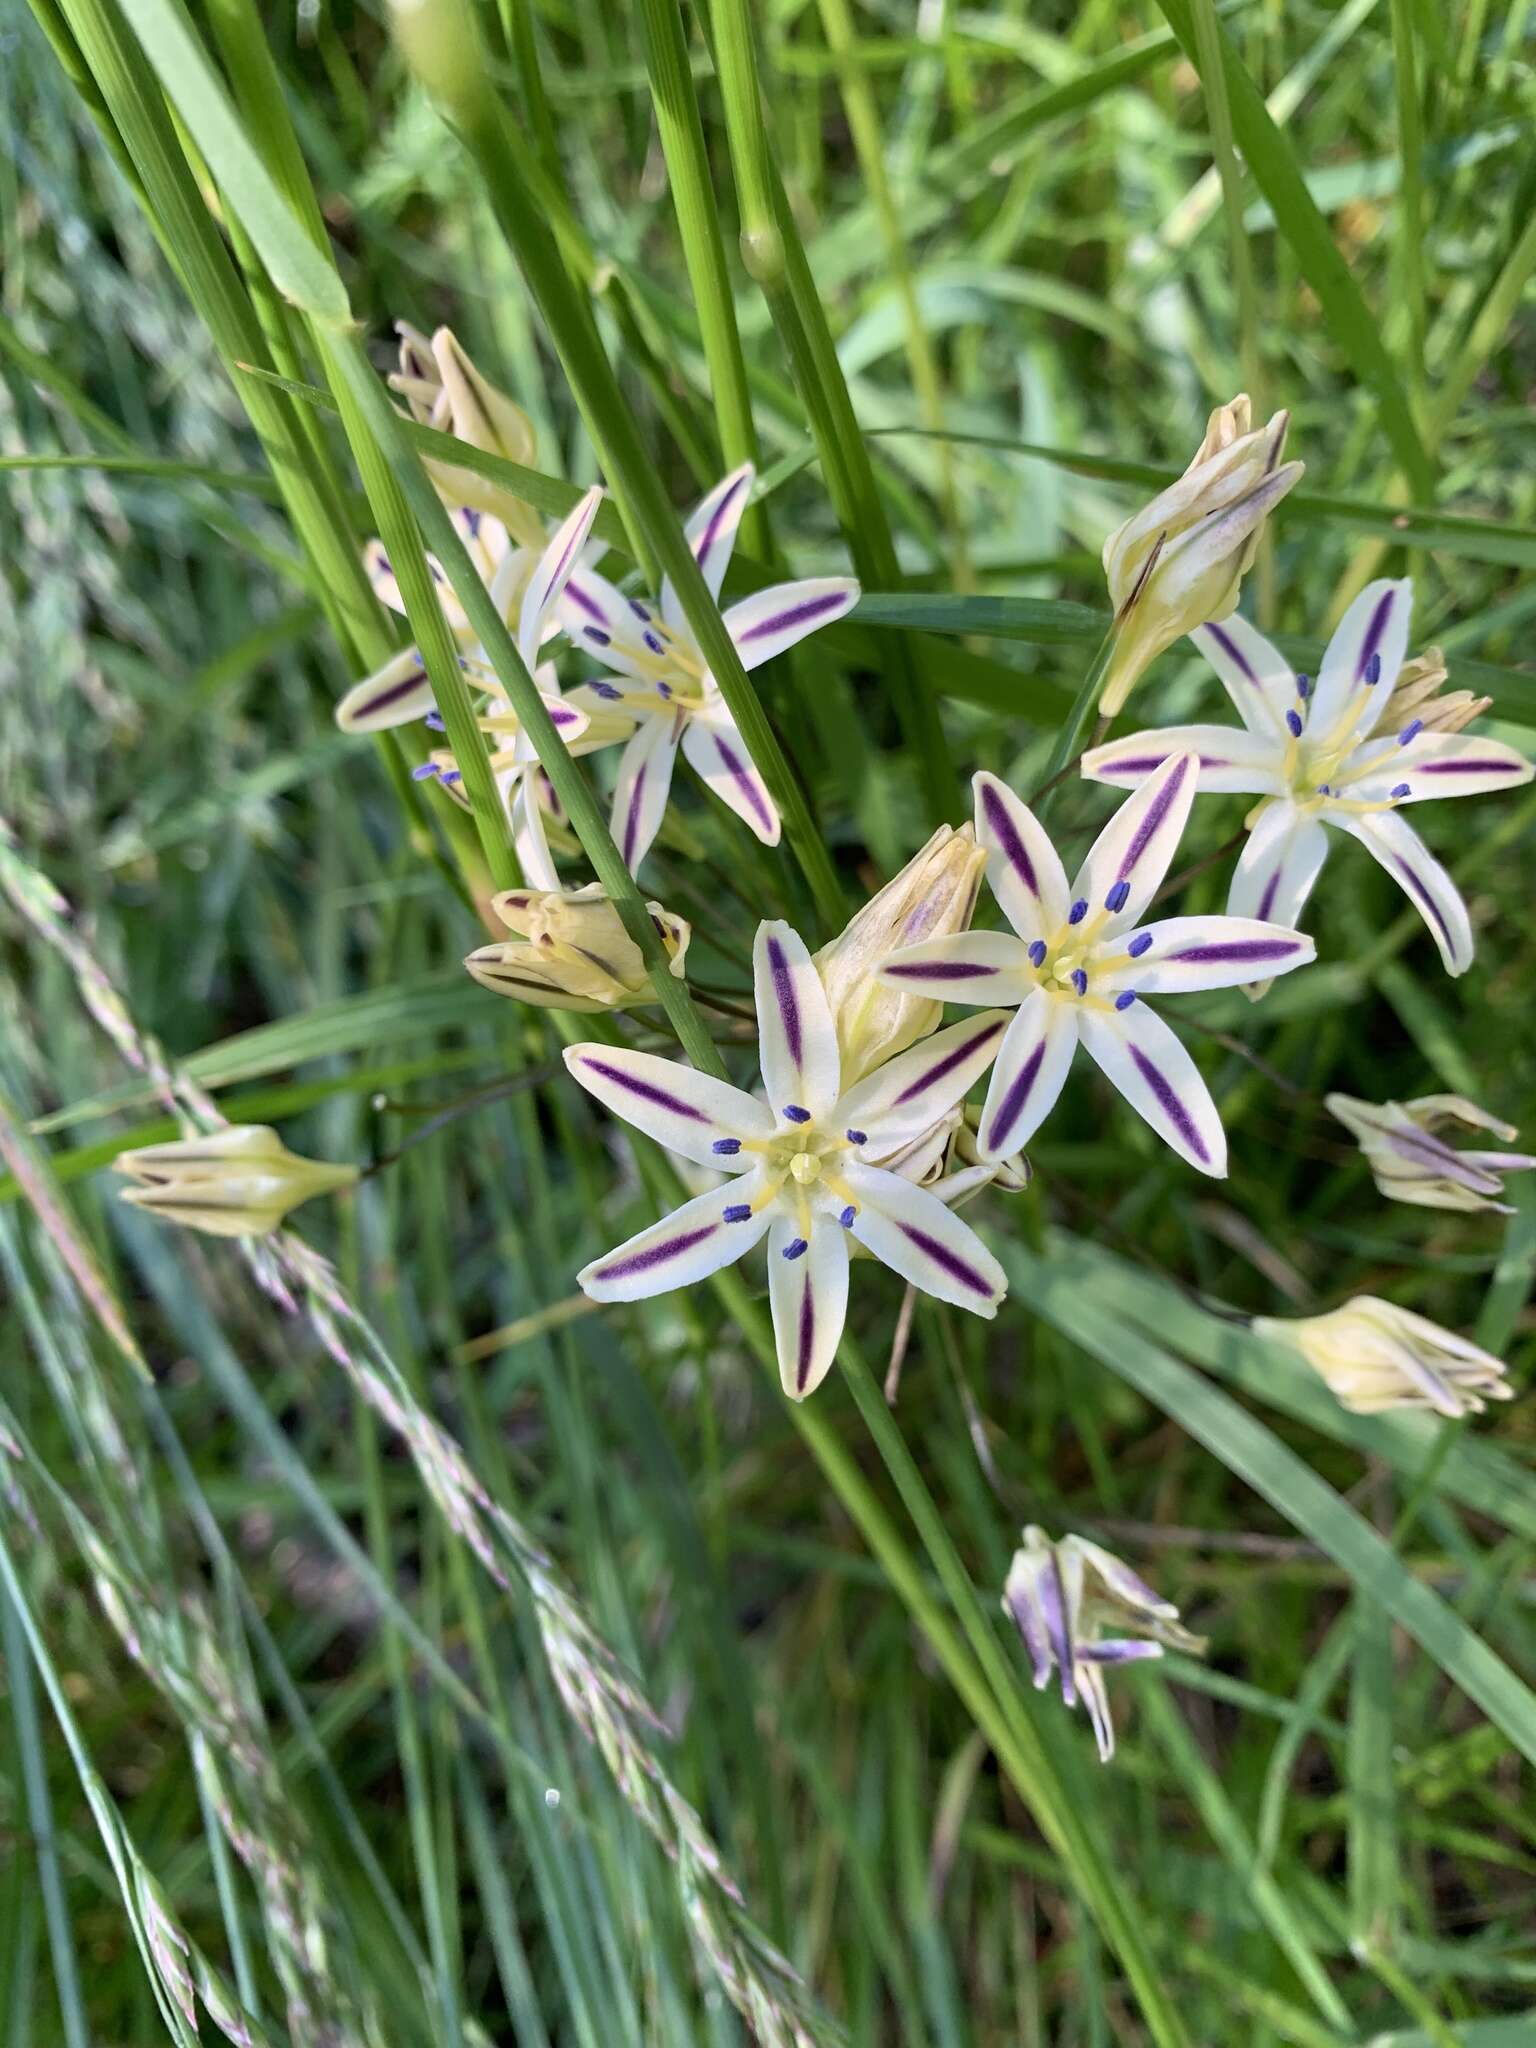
[(1179, 562), (1411, 1164), (966, 1173), (237, 1182), (443, 390), (572, 951), (1376, 1356), (932, 897), (1417, 695)]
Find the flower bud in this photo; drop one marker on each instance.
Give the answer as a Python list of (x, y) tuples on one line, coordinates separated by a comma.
[(572, 951), (1072, 1602), (1411, 1164), (966, 1173), (1376, 1356), (933, 896), (443, 389), (1180, 561), (1416, 696), (240, 1181)]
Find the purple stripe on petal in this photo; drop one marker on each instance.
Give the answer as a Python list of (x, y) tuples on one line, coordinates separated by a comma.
[(1271, 890), (1374, 631), (1120, 1651), (1233, 652), (784, 991), (632, 819), (1170, 1103), (1034, 1640), (956, 1267), (797, 615), (655, 1255), (1422, 896), (392, 695), (563, 716), (1237, 951), (950, 1061), (711, 533), (583, 601), (648, 1091), (1013, 1102), (558, 571), (1008, 841), (1468, 767), (936, 970), (1145, 764), (807, 1337), (1053, 1610), (744, 780), (1157, 811)]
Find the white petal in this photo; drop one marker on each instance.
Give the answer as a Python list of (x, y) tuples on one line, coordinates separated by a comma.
[(396, 694), (1423, 880), (552, 573), (602, 621), (528, 836), (1131, 855), (1375, 626), (718, 755), (644, 783), (1431, 764), (680, 1250), (914, 1234), (808, 1295), (906, 1095), (1231, 761), (1281, 859), (1207, 952), (690, 1113), (1023, 869), (797, 1039), (1031, 1070), (963, 967), (1254, 673), (711, 534), (1160, 1081), (769, 621)]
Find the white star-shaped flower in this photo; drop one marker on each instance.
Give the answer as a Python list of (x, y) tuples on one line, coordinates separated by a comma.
[(1079, 959), (1316, 756), (665, 685), (806, 1165)]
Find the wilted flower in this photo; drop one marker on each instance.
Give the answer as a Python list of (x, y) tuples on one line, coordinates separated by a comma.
[(1412, 1165), (237, 1182), (443, 389), (1078, 959), (1181, 560), (1304, 752), (1072, 1600), (934, 894), (665, 686), (573, 952), (1375, 1355), (808, 1167)]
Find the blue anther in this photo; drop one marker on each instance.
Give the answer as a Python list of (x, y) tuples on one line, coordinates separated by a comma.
[(425, 772), (1078, 911), (1303, 687), (846, 1219), (1080, 981), (605, 691), (856, 1137), (1116, 899), (1037, 953), (1293, 723), (739, 1212), (1372, 670), (1124, 1000), (726, 1147), (597, 636), (434, 722), (1401, 790), (796, 1114), (1410, 731), (796, 1248), (1139, 945)]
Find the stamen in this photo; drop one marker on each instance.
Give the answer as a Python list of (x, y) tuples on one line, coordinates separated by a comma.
[(846, 1219), (726, 1147), (796, 1248), (1124, 1000), (1400, 790), (1139, 945), (738, 1212), (653, 642), (605, 690), (1323, 789), (1293, 724), (1037, 953), (425, 772), (453, 775), (796, 1114), (597, 636), (1080, 980), (639, 611), (434, 722), (1373, 669), (1078, 911), (663, 689), (1303, 687), (1117, 897), (856, 1137), (1410, 731)]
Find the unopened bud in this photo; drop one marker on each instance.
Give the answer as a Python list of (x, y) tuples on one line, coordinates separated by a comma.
[(237, 1182), (1411, 1164), (1417, 696), (572, 951), (443, 389), (1376, 1356)]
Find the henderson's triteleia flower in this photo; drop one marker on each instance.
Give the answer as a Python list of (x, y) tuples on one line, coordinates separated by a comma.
[(1065, 1599), (934, 894), (1376, 1356), (237, 1182), (1181, 560), (1316, 755), (443, 389), (1079, 958), (807, 1166), (1412, 1165), (665, 686), (573, 952)]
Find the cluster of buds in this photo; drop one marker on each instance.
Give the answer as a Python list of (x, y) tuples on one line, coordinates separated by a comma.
[(572, 951), (442, 389), (238, 1182), (1376, 1356), (1073, 1602), (1411, 1164), (1180, 562), (1417, 700)]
